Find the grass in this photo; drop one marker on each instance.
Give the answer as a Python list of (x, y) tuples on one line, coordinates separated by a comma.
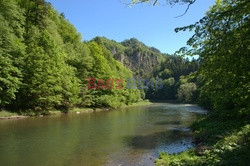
[(140, 103), (75, 110), (87, 110), (220, 141), (4, 113)]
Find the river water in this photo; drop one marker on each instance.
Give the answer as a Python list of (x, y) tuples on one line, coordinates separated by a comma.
[(131, 136)]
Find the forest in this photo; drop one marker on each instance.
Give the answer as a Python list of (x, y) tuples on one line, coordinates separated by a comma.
[(45, 63)]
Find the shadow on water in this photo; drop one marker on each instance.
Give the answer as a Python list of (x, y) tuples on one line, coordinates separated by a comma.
[(168, 123), (133, 136), (154, 140)]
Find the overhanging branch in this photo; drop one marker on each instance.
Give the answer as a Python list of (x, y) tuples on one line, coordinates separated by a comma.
[(155, 2), (192, 2)]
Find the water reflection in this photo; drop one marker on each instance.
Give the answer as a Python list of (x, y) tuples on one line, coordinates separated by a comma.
[(152, 141), (132, 136)]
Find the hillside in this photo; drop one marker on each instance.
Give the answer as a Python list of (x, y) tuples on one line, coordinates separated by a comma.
[(135, 55), (45, 65)]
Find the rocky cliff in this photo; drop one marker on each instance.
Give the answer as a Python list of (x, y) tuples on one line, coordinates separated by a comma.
[(135, 55)]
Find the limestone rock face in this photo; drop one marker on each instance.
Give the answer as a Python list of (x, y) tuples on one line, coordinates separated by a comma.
[(135, 55)]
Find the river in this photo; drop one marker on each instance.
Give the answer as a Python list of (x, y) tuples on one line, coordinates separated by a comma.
[(125, 137)]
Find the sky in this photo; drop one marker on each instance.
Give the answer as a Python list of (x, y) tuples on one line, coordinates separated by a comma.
[(114, 19)]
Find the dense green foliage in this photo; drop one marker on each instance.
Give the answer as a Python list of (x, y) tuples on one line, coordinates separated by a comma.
[(11, 50), (44, 64), (185, 92), (149, 63), (220, 142), (48, 63), (174, 71), (222, 41), (135, 55)]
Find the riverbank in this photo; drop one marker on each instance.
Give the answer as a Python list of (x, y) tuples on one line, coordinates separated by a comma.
[(219, 141), (10, 115), (5, 115)]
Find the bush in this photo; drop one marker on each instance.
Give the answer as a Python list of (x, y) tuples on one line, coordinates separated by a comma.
[(186, 92)]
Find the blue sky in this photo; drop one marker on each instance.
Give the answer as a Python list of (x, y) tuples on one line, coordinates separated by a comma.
[(153, 25)]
